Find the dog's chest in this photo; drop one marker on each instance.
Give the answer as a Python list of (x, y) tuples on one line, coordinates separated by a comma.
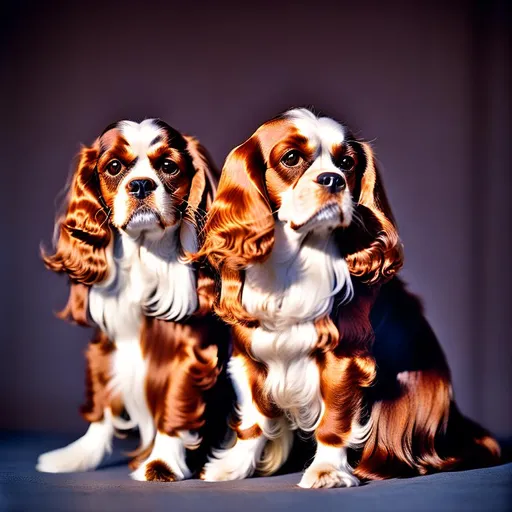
[(293, 381), (117, 308), (144, 282), (297, 283), (287, 294)]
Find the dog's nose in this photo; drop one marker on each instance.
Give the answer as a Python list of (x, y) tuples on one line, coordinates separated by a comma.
[(333, 181), (141, 188)]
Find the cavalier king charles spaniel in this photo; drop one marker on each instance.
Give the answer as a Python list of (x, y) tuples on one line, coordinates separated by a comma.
[(136, 200), (327, 340)]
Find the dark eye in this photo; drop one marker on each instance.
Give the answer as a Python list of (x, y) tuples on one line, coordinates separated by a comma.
[(346, 163), (114, 167), (292, 158), (169, 167)]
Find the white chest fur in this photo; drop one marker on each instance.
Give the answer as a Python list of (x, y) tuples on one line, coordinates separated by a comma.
[(145, 278), (295, 286)]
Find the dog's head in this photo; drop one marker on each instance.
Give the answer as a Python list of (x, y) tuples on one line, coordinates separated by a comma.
[(310, 173), (139, 178)]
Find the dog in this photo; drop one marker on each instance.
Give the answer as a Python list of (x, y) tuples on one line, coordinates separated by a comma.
[(327, 340), (134, 209)]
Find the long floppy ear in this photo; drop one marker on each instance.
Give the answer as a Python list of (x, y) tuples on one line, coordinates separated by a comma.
[(82, 232), (372, 247), (240, 226), (202, 191)]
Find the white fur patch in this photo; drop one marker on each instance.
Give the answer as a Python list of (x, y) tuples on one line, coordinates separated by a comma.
[(115, 305), (318, 130), (172, 282), (140, 135), (359, 434), (276, 450), (237, 462), (150, 278), (84, 454), (299, 280), (293, 380)]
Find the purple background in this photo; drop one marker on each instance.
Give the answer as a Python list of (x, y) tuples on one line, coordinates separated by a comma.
[(427, 82)]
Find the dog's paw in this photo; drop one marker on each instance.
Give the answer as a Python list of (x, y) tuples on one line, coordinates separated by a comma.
[(78, 456), (227, 467), (234, 463), (84, 454), (326, 476), (154, 471), (166, 462)]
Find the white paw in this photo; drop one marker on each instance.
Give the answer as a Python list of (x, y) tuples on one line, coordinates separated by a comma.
[(235, 463), (166, 462), (77, 456), (325, 476), (220, 470), (84, 454), (231, 464)]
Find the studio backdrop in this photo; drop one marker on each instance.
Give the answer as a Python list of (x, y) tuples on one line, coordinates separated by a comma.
[(428, 83)]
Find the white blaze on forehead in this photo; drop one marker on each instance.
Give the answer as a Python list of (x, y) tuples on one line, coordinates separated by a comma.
[(323, 132), (140, 135)]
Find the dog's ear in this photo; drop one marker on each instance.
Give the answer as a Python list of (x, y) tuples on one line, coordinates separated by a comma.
[(206, 177), (82, 235), (371, 245), (240, 226), (82, 232), (202, 190)]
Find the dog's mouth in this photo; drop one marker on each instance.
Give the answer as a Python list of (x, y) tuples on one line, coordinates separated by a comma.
[(330, 216), (144, 219)]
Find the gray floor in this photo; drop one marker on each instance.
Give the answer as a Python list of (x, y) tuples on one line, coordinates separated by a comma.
[(110, 489)]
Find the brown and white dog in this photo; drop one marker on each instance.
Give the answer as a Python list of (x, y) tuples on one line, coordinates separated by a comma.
[(326, 338), (135, 202)]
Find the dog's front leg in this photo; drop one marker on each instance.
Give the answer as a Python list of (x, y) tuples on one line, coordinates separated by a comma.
[(177, 403), (342, 380), (263, 440)]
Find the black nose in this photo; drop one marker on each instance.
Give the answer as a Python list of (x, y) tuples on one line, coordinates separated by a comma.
[(333, 181), (141, 188)]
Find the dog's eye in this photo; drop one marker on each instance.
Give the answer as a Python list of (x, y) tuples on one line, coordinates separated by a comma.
[(114, 167), (169, 167), (292, 158), (346, 163)]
